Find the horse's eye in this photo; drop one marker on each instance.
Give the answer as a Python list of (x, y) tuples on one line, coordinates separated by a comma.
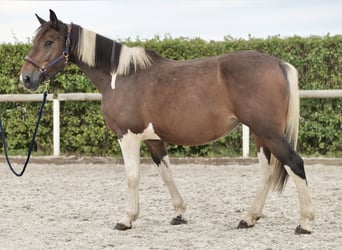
[(48, 43)]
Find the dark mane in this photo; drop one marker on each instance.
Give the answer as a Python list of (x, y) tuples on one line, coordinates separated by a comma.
[(107, 53)]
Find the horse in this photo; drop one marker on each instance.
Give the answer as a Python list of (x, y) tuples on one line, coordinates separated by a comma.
[(153, 100)]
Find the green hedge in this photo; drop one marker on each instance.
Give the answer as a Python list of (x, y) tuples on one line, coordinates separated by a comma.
[(318, 60)]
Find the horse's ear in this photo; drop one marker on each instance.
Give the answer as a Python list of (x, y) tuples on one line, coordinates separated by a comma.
[(53, 19), (41, 20)]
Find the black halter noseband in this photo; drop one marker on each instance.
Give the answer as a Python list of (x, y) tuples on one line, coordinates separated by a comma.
[(64, 56)]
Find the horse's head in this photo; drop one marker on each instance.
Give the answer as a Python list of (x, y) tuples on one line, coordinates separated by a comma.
[(49, 53)]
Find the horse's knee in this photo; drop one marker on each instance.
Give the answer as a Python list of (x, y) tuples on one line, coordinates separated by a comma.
[(133, 180)]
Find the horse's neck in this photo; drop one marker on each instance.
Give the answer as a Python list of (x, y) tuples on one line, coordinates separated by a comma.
[(98, 77)]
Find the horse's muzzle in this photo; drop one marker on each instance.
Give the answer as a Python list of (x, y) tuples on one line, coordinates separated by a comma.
[(31, 81)]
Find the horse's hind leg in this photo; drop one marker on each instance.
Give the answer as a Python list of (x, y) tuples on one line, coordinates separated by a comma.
[(294, 166), (255, 211), (306, 209), (158, 151)]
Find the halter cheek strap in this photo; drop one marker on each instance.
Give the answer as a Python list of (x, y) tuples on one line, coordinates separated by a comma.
[(65, 56)]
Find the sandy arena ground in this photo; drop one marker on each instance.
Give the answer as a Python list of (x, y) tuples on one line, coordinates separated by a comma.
[(76, 206)]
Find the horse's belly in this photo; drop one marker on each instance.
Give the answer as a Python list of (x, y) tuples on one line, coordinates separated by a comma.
[(197, 133)]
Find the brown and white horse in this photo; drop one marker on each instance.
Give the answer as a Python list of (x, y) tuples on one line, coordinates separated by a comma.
[(147, 98)]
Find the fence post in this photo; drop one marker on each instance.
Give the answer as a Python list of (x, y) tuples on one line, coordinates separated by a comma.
[(56, 124), (245, 140)]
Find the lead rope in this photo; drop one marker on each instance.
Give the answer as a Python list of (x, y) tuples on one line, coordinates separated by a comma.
[(3, 138)]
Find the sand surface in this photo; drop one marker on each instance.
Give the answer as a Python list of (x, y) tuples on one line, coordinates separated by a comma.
[(76, 206)]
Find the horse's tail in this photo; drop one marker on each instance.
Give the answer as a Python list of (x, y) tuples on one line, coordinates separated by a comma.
[(280, 175)]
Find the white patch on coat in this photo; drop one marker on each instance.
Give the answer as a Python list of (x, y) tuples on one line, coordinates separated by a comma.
[(112, 83), (134, 138), (149, 133)]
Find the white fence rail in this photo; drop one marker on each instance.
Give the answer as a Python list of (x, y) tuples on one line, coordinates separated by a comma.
[(97, 97)]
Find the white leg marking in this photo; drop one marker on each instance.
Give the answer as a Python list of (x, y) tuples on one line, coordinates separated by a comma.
[(255, 211), (130, 147), (307, 212), (166, 174)]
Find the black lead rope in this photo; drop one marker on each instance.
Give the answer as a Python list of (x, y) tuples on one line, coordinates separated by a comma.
[(32, 141)]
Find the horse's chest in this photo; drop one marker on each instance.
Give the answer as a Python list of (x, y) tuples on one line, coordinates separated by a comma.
[(121, 116)]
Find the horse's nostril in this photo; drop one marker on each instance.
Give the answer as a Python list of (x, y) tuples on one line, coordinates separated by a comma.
[(27, 79)]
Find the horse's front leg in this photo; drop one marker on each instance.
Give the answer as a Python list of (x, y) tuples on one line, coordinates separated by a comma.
[(158, 151), (177, 200), (130, 147)]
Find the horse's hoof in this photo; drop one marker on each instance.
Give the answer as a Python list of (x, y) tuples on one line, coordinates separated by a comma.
[(243, 224), (178, 220), (122, 227), (300, 230)]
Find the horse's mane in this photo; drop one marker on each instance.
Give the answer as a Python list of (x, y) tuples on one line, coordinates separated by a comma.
[(98, 51)]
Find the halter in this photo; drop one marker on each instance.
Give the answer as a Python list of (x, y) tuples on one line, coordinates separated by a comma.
[(65, 56)]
